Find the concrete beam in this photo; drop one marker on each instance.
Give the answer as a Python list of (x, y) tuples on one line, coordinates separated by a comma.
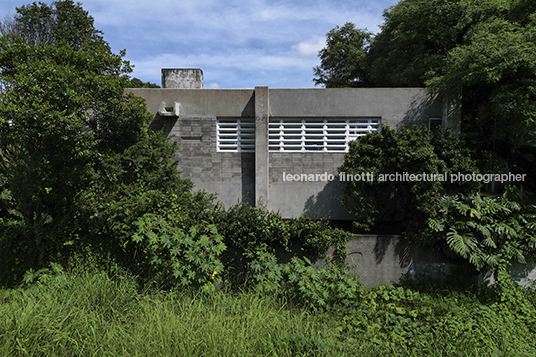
[(262, 114)]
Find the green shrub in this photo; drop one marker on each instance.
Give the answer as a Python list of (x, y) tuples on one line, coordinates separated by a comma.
[(255, 235), (177, 257), (487, 231), (330, 287), (263, 273), (396, 206)]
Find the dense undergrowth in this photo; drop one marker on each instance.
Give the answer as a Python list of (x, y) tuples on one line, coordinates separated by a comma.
[(90, 311), (167, 271), (222, 286)]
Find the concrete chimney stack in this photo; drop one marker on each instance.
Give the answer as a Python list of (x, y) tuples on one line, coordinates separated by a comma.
[(182, 78)]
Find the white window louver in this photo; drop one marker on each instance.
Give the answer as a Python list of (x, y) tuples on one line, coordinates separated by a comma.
[(321, 135), (235, 135)]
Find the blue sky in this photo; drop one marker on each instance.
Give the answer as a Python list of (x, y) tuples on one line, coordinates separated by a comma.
[(237, 43)]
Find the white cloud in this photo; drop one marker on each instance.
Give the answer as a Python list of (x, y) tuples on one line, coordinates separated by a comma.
[(237, 43), (310, 47), (213, 86)]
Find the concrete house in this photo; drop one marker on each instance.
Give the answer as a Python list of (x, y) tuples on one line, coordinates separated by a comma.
[(280, 147)]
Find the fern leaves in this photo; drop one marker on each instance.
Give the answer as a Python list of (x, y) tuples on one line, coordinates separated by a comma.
[(486, 230)]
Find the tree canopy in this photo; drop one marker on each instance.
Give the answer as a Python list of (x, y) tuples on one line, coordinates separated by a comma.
[(75, 154), (483, 49)]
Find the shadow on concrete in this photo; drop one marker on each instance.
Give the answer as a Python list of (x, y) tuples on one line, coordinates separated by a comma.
[(248, 178), (165, 124), (249, 109), (402, 249), (327, 203), (419, 111)]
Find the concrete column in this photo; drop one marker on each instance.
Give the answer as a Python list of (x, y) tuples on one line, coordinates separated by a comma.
[(262, 114)]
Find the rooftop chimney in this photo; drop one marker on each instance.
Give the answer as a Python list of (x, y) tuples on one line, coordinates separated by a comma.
[(182, 78)]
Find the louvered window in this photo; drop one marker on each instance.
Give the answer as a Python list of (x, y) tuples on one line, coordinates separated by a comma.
[(323, 135), (235, 134)]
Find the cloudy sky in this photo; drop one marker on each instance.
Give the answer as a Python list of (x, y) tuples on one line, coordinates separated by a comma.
[(237, 43)]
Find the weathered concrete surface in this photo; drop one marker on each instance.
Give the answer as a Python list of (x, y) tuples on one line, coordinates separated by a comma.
[(190, 78), (258, 177), (397, 107), (387, 259), (262, 114), (314, 198), (234, 103)]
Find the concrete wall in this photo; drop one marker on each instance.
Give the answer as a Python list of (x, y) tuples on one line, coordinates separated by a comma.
[(182, 78), (385, 259), (313, 199), (388, 259), (191, 114), (397, 107)]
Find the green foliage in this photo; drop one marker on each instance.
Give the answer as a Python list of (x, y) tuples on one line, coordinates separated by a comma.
[(138, 83), (344, 58), (323, 312), (487, 231), (263, 271), (61, 103), (77, 163), (180, 258), (479, 50), (325, 288), (402, 204), (44, 275), (246, 228), (94, 312), (254, 235), (62, 21), (494, 65)]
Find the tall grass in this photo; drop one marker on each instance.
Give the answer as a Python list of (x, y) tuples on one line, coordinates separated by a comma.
[(93, 313)]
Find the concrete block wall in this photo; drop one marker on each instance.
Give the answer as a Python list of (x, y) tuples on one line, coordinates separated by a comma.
[(230, 174), (258, 177)]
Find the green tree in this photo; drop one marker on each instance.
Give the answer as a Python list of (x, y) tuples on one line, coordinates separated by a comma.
[(62, 21), (74, 150), (343, 61), (481, 49)]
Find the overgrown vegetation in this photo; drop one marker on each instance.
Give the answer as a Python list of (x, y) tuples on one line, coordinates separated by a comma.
[(391, 204), (89, 311), (491, 232), (167, 271), (480, 51)]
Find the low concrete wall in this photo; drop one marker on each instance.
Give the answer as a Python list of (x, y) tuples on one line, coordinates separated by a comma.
[(387, 259)]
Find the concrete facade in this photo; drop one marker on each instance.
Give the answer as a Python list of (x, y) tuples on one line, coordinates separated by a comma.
[(192, 116)]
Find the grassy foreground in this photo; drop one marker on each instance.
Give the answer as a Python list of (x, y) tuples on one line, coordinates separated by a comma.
[(101, 314)]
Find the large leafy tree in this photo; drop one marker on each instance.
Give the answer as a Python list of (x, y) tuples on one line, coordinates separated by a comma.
[(388, 201), (343, 61), (482, 49), (75, 156)]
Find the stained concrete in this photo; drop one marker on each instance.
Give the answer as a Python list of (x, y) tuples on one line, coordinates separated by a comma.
[(258, 177)]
